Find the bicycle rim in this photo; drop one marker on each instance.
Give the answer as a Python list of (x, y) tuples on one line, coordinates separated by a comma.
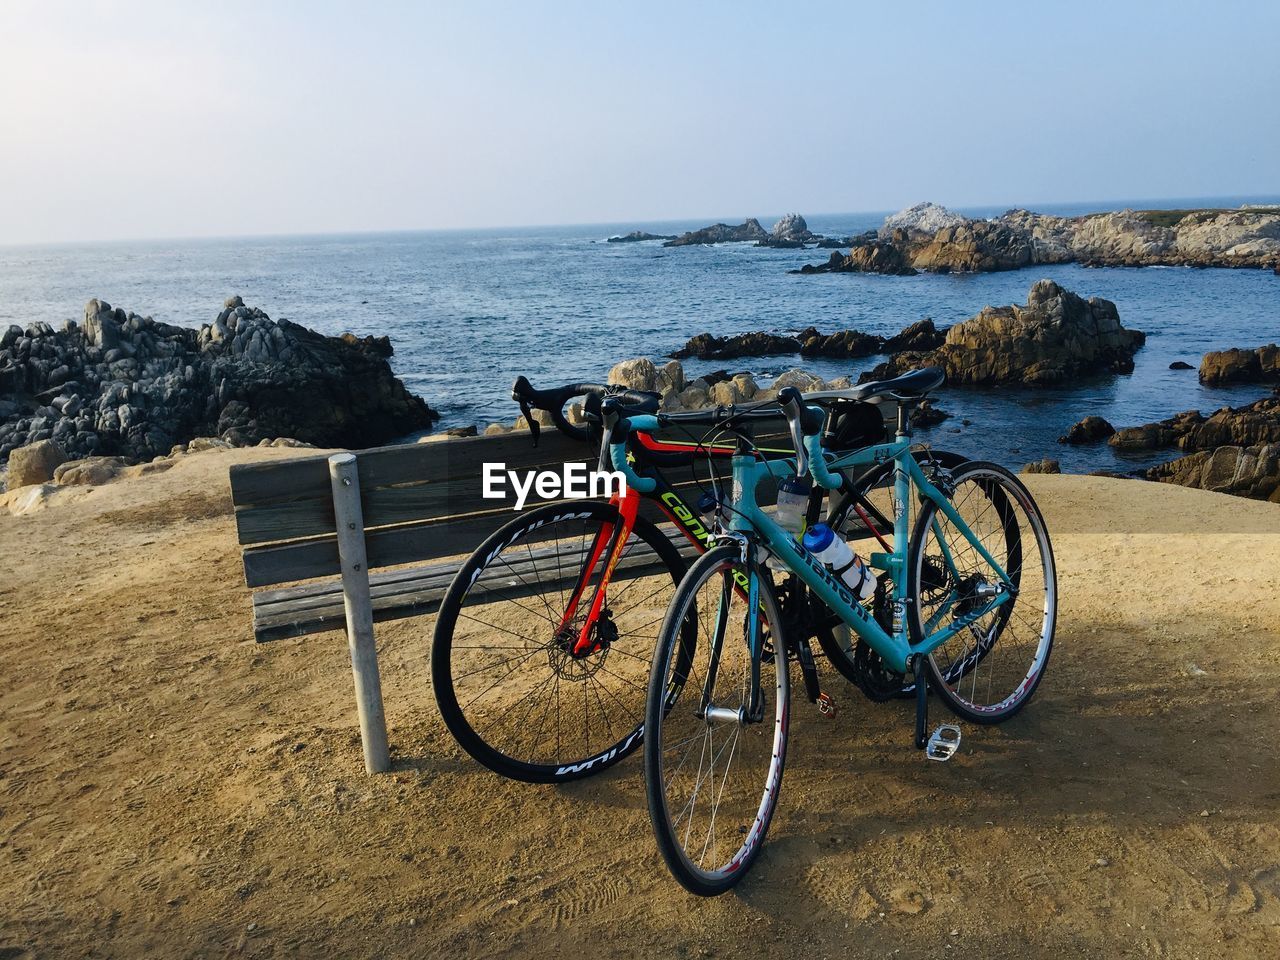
[(511, 685), (989, 669), (713, 782)]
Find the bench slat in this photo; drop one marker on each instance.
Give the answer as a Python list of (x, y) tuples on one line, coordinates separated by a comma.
[(410, 543), (301, 611)]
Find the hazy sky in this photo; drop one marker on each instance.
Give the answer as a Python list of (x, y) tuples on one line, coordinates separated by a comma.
[(181, 119)]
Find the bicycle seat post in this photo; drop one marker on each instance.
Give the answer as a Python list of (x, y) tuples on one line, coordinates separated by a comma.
[(904, 417)]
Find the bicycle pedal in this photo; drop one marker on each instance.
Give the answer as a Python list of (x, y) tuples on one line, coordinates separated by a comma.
[(826, 705), (943, 743)]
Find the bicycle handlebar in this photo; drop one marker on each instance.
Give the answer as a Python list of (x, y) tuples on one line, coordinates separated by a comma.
[(553, 401), (616, 428)]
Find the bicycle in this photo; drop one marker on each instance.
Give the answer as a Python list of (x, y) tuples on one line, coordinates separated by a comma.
[(558, 586), (719, 688)]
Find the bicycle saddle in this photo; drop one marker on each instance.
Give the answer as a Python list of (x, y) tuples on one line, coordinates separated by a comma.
[(908, 386)]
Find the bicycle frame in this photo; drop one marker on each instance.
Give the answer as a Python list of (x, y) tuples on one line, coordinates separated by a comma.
[(749, 521), (896, 648)]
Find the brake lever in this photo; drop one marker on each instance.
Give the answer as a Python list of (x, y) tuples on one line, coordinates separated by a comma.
[(534, 426)]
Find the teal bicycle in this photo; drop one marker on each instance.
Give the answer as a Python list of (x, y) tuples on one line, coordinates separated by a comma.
[(973, 601)]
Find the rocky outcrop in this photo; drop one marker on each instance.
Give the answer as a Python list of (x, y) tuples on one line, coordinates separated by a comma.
[(639, 236), (637, 374), (704, 346), (790, 231), (976, 246), (844, 345), (921, 335), (923, 218), (1243, 471), (809, 342), (748, 230), (1042, 466), (126, 385), (1192, 432), (929, 237), (1241, 366), (36, 463), (867, 255), (1089, 430), (1056, 336)]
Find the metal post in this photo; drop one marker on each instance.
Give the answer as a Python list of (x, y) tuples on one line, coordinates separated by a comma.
[(355, 596)]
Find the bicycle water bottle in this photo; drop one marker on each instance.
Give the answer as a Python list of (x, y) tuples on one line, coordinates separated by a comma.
[(825, 544), (793, 505)]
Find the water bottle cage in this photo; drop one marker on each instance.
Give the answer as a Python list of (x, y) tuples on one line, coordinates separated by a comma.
[(865, 573)]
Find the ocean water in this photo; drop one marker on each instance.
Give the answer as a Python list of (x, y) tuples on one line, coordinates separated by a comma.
[(468, 311)]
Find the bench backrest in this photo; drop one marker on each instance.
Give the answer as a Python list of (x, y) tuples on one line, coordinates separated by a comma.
[(421, 501)]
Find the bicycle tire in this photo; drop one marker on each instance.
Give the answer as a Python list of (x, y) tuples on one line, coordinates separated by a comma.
[(949, 682), (668, 700), (461, 716)]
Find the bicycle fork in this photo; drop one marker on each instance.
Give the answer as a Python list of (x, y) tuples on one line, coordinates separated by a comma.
[(610, 542)]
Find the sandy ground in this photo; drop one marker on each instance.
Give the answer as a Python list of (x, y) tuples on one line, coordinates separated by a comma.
[(169, 788)]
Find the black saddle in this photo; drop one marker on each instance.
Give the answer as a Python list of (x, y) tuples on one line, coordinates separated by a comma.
[(909, 386)]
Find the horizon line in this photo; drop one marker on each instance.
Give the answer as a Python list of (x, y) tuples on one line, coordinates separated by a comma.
[(1105, 206)]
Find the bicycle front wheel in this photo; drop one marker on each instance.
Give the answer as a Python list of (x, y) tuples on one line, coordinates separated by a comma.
[(515, 685), (987, 670), (712, 767)]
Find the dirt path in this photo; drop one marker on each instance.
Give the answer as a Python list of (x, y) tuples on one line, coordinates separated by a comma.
[(169, 788)]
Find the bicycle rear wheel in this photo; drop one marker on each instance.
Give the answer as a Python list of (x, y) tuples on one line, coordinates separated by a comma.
[(513, 687), (712, 776), (990, 668), (865, 510)]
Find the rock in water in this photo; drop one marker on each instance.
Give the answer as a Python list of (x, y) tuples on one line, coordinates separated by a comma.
[(704, 346), (125, 385), (35, 463), (1056, 336), (749, 229), (867, 255), (790, 231), (640, 236), (1089, 430), (1241, 366), (636, 374), (923, 217)]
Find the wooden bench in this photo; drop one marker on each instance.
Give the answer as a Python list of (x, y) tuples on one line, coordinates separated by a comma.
[(413, 512)]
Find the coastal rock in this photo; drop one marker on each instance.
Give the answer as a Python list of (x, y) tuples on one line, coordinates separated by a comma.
[(790, 231), (1180, 365), (704, 346), (748, 230), (91, 471), (1261, 365), (928, 237), (977, 246), (1089, 430), (636, 374), (1056, 336), (1042, 466), (926, 413), (865, 256), (921, 335), (125, 385), (1151, 436), (35, 463), (639, 236), (801, 379), (921, 218), (846, 344), (1250, 425), (1242, 471)]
